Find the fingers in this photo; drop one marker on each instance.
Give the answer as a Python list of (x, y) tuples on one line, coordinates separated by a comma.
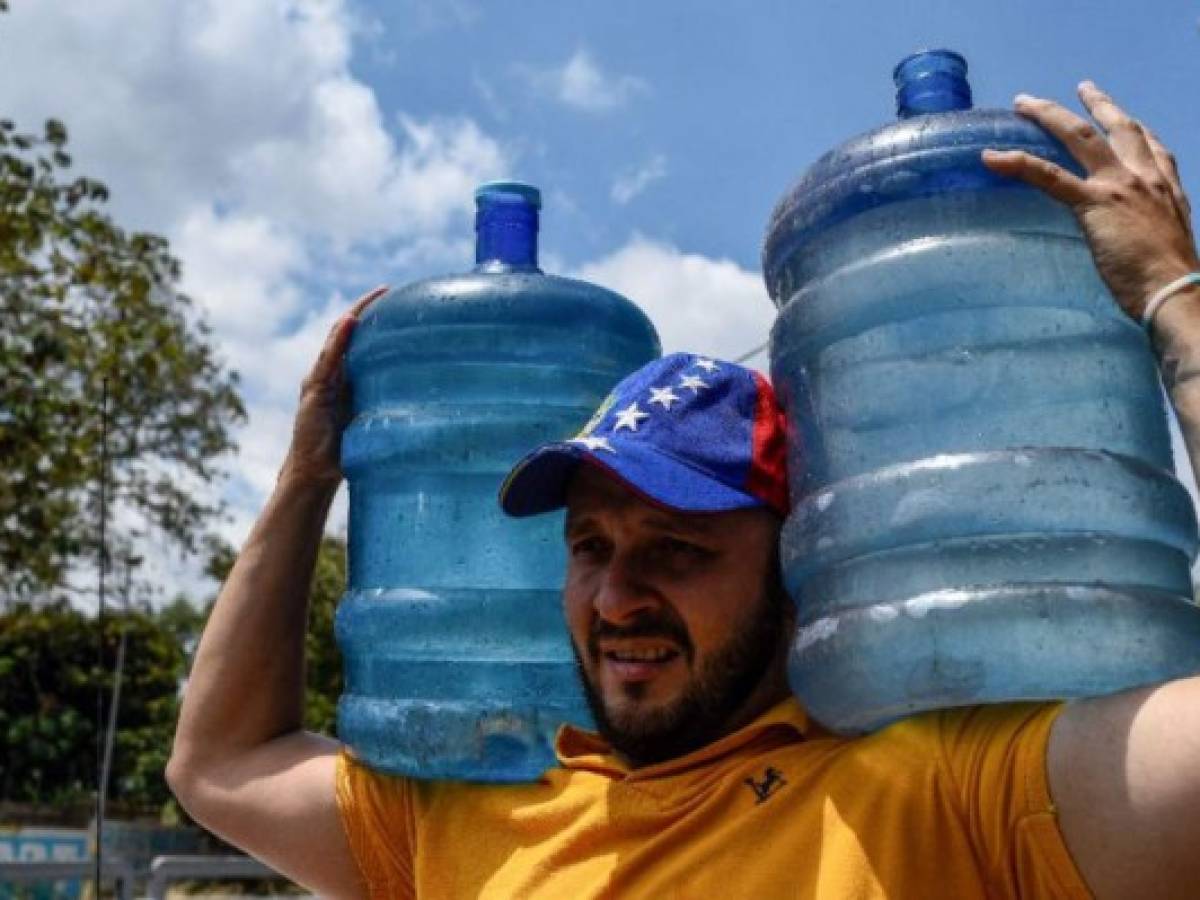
[(1081, 138), (1163, 158), (1165, 161), (366, 300), (328, 366), (1125, 134), (1056, 181)]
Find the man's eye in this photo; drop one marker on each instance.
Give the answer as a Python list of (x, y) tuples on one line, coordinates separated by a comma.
[(587, 547), (685, 550)]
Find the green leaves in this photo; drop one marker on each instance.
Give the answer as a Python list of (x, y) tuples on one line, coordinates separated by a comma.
[(323, 660), (85, 304), (48, 683), (49, 678)]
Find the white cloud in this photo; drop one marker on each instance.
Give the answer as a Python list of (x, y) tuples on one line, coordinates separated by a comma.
[(249, 106), (240, 268), (580, 84), (628, 185), (699, 304), (240, 131)]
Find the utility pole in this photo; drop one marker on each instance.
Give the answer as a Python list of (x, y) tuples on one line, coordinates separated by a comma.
[(131, 562)]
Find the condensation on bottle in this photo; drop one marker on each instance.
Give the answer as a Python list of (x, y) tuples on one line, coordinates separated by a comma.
[(456, 656), (983, 500)]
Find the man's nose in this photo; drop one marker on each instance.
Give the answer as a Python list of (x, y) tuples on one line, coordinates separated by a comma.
[(624, 593)]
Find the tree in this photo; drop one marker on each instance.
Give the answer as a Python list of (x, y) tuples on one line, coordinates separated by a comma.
[(323, 674), (90, 310), (48, 691)]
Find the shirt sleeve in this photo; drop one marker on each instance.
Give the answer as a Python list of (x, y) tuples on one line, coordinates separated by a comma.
[(996, 760), (377, 815)]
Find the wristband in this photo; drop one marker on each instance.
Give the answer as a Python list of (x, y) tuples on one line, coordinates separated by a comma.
[(1164, 294)]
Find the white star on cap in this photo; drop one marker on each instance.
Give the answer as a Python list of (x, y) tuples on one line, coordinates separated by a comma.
[(593, 443), (692, 382), (629, 417), (664, 397), (707, 365)]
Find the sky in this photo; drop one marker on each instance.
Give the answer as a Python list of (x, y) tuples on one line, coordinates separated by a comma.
[(299, 152)]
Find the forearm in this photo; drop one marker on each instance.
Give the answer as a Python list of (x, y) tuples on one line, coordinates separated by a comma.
[(247, 682), (1176, 338)]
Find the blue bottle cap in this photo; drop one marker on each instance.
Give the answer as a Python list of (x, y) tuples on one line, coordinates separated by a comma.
[(506, 225), (931, 81), (508, 192)]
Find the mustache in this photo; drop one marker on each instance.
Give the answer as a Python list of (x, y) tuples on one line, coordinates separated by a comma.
[(648, 625)]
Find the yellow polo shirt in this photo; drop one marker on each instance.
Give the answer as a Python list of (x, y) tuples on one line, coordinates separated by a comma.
[(949, 805)]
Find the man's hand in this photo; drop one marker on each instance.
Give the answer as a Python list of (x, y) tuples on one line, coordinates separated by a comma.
[(325, 405), (1131, 206)]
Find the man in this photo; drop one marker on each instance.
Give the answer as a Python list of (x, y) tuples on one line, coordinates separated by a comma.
[(708, 778)]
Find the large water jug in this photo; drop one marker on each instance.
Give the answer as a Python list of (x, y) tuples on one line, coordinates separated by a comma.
[(456, 656), (984, 506)]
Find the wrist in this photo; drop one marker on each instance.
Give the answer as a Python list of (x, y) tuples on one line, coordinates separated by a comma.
[(1135, 294), (295, 478), (1165, 293), (1175, 329)]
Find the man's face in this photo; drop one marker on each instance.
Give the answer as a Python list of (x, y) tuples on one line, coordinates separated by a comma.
[(679, 626)]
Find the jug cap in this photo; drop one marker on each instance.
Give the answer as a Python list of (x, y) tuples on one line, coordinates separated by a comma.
[(508, 192), (931, 81), (506, 225)]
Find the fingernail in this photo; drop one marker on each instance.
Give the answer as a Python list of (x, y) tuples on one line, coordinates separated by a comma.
[(1087, 85), (1022, 100)]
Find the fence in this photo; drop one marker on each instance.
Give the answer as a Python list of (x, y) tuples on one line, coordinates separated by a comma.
[(48, 873), (164, 870)]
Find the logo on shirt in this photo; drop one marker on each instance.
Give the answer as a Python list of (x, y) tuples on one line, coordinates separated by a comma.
[(772, 781)]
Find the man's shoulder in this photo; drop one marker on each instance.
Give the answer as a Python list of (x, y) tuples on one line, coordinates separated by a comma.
[(394, 788), (925, 736)]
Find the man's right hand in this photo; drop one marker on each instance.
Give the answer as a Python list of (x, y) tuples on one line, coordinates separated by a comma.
[(325, 405)]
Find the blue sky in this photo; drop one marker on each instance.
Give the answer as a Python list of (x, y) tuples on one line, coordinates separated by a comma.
[(297, 153), (736, 98)]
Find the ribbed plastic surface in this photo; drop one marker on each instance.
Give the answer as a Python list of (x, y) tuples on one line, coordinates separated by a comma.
[(457, 660), (983, 500)]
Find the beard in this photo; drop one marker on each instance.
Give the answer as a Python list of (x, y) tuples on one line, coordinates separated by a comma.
[(717, 691)]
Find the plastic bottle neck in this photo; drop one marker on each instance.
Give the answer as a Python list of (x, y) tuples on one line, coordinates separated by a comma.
[(506, 226), (931, 81)]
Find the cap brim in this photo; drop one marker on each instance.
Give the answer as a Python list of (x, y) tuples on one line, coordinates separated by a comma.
[(539, 482)]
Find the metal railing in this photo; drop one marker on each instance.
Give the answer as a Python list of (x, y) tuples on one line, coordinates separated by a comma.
[(167, 869), (164, 871), (112, 870)]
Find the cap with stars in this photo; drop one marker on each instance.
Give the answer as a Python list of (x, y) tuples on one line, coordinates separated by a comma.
[(686, 432)]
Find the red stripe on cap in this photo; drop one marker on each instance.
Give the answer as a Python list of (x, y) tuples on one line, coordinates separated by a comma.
[(767, 478)]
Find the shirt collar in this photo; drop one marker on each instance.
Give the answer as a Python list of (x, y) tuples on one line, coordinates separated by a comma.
[(582, 750)]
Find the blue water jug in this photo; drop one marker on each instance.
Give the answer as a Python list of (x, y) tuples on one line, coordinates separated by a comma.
[(456, 656), (983, 501)]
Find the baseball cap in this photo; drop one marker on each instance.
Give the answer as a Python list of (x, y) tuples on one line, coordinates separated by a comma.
[(686, 432)]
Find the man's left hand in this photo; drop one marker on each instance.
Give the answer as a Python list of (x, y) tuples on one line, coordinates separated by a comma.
[(1131, 204)]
